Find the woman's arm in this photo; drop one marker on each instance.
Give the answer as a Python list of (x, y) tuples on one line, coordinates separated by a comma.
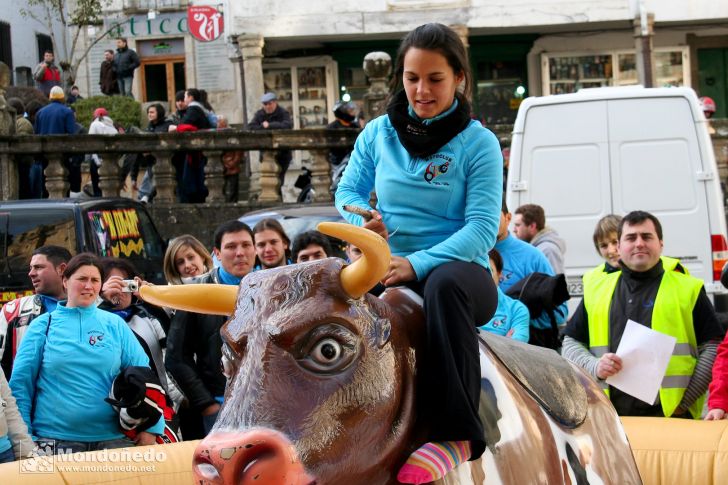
[(27, 366), (358, 179), (17, 430)]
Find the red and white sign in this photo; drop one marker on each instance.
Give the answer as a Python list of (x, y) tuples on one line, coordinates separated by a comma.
[(205, 23)]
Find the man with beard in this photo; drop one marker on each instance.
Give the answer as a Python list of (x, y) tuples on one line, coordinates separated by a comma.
[(194, 345), (271, 244)]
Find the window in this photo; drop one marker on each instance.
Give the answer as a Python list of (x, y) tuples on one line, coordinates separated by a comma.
[(6, 48), (24, 230), (567, 73), (44, 44)]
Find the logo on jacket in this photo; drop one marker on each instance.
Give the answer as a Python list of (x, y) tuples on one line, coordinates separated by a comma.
[(95, 337), (439, 165)]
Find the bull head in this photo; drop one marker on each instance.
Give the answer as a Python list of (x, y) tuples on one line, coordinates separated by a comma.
[(320, 385)]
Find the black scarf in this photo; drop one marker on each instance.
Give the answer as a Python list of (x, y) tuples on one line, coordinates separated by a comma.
[(422, 140)]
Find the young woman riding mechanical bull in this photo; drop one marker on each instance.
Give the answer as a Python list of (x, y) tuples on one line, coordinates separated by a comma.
[(438, 178)]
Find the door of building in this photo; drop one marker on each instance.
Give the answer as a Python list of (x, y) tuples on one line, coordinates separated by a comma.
[(162, 78), (163, 69), (712, 72)]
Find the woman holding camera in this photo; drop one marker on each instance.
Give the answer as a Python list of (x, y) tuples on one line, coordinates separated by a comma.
[(120, 297), (67, 363)]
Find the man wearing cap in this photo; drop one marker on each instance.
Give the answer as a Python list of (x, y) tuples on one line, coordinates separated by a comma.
[(273, 117), (55, 118)]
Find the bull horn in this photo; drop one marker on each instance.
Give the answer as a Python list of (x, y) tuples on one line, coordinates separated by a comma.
[(362, 275), (208, 299)]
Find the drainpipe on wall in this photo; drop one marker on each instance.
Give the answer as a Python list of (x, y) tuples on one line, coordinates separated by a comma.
[(643, 33)]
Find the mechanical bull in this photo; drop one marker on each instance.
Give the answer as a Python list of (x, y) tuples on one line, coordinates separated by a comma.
[(322, 386)]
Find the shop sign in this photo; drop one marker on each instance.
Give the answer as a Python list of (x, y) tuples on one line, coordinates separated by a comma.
[(173, 23), (205, 23)]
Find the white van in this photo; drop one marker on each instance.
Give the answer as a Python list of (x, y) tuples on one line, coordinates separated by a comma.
[(606, 151)]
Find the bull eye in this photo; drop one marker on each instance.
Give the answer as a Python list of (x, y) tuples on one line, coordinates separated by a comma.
[(327, 351)]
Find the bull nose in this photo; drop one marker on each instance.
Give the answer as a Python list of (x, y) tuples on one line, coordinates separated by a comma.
[(256, 457)]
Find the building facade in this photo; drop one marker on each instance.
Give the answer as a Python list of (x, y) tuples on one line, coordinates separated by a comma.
[(23, 40)]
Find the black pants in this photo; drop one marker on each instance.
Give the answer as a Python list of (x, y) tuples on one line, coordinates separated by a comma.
[(458, 297)]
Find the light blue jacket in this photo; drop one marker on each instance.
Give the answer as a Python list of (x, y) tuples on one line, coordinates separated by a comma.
[(437, 209), (520, 259), (510, 316), (86, 348)]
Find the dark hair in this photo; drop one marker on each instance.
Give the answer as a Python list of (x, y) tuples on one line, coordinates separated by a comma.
[(17, 105), (123, 265), (160, 111), (55, 254), (48, 51), (270, 224), (497, 259), (194, 94), (305, 239), (32, 108), (84, 259), (532, 213), (179, 95), (230, 227), (109, 51), (504, 206), (638, 217), (123, 39), (203, 100), (442, 39)]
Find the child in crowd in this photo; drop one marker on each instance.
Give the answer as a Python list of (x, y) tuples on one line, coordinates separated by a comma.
[(511, 317)]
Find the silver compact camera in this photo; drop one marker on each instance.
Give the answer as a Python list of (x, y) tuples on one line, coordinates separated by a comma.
[(130, 286)]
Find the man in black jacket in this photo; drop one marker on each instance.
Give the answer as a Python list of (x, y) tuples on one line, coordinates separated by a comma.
[(273, 117), (125, 62), (194, 345)]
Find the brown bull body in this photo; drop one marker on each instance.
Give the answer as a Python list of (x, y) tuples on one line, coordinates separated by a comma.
[(322, 389)]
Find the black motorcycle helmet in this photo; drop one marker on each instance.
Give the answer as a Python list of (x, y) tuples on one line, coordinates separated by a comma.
[(345, 111)]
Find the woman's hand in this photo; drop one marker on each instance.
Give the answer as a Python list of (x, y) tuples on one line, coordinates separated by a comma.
[(715, 414), (400, 271), (112, 289), (376, 224), (145, 439)]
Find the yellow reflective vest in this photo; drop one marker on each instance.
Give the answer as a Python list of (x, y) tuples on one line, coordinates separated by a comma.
[(672, 314)]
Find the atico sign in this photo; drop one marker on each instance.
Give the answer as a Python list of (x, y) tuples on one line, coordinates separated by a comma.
[(205, 23)]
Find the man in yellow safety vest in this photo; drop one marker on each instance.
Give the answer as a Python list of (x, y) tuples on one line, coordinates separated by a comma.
[(664, 298)]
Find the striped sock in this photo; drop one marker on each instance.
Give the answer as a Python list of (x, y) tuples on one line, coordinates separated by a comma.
[(433, 461)]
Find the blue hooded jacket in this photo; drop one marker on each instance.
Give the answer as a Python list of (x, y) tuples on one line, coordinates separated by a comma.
[(84, 351)]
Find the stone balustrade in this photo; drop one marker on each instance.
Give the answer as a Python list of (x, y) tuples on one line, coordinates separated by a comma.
[(263, 179)]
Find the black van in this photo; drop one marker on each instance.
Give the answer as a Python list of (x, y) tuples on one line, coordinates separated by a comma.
[(107, 227)]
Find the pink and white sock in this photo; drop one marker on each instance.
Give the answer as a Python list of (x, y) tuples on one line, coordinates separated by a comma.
[(433, 461)]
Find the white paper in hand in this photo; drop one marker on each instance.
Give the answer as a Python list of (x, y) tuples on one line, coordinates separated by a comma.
[(645, 354)]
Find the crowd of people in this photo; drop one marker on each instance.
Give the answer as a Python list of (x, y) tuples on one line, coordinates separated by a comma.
[(433, 167), (122, 342)]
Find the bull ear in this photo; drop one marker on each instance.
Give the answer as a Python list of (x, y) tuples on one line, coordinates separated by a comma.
[(361, 276), (208, 299)]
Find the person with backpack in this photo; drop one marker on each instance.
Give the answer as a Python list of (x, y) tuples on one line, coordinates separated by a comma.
[(520, 261)]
